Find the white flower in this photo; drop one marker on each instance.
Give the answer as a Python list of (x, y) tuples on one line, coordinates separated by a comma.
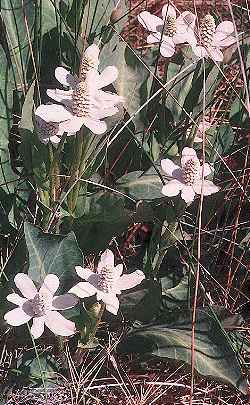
[(211, 39), (48, 131), (107, 282), (169, 30), (85, 103), (187, 179), (41, 305), (203, 127)]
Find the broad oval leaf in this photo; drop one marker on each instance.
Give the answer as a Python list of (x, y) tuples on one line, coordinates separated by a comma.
[(49, 253), (145, 187), (214, 355)]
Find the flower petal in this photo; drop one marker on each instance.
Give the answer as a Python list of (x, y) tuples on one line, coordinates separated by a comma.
[(187, 154), (188, 194), (200, 51), (92, 53), (16, 299), (64, 301), (50, 284), (185, 22), (107, 112), (119, 270), (225, 27), (53, 113), (168, 10), (154, 38), (88, 275), (61, 96), (108, 76), (37, 327), (110, 300), (207, 169), (208, 187), (16, 317), (83, 273), (83, 289), (54, 139), (59, 325), (25, 285), (150, 21), (167, 48), (172, 188), (170, 168), (130, 280), (107, 259), (106, 99), (223, 43), (215, 54), (72, 125), (188, 37), (64, 77), (198, 139), (96, 126)]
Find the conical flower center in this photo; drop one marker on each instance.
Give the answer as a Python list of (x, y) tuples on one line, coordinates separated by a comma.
[(81, 99), (169, 26), (46, 129), (86, 65), (191, 171), (207, 30), (40, 304), (107, 279)]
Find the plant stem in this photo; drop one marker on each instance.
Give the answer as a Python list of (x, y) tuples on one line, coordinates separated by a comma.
[(74, 172), (83, 346), (168, 238), (77, 169), (54, 176)]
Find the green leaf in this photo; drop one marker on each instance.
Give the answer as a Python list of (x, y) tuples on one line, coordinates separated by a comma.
[(214, 355), (200, 91), (105, 217), (12, 14), (178, 90), (141, 186), (37, 371), (176, 298), (6, 202), (96, 19), (223, 141), (49, 253), (132, 82), (35, 155), (7, 176), (142, 303)]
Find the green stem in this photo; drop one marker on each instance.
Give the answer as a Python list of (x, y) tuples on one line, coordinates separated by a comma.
[(49, 199), (83, 346), (77, 169), (168, 238), (74, 172), (54, 176)]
